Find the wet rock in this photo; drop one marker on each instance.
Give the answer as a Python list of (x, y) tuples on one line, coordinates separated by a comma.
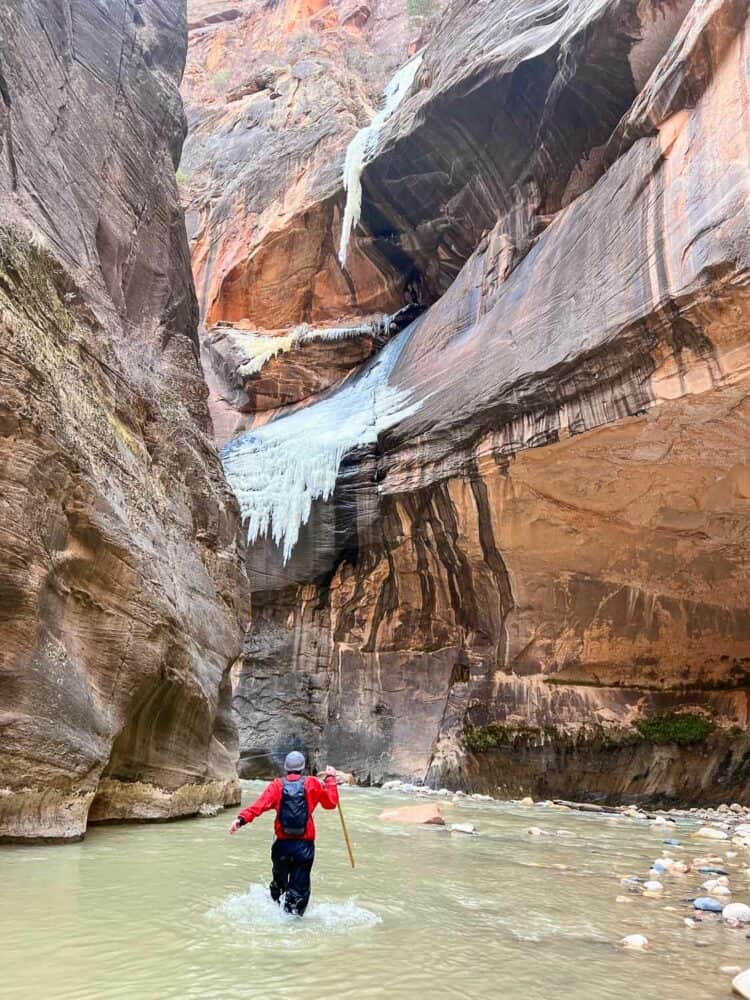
[(635, 942), (736, 913), (741, 984), (528, 801), (708, 904), (653, 888), (467, 828), (537, 831), (209, 809), (711, 833), (424, 814)]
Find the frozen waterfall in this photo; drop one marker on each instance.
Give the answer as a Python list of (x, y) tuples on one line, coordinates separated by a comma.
[(363, 142), (278, 470)]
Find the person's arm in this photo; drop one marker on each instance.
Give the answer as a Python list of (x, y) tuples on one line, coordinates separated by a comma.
[(268, 799), (329, 793)]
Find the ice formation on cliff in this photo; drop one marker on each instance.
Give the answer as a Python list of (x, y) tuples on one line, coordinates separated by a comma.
[(259, 348), (278, 470), (363, 142)]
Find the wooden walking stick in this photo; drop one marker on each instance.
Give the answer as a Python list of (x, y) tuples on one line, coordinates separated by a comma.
[(346, 834)]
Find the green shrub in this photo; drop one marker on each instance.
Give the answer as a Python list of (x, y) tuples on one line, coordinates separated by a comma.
[(479, 739), (675, 727)]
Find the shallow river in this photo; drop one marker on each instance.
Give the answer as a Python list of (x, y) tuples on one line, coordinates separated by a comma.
[(180, 910)]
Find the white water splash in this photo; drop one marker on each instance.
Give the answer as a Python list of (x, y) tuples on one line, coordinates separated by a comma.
[(363, 142), (255, 911), (278, 470)]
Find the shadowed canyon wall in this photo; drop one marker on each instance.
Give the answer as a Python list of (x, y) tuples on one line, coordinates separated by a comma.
[(510, 550), (122, 589)]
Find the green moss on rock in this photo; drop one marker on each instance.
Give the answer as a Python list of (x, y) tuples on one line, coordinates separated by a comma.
[(480, 739), (675, 727)]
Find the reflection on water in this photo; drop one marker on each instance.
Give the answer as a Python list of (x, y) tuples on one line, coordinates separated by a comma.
[(180, 910)]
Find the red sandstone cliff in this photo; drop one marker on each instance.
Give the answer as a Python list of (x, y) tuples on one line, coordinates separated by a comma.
[(522, 527)]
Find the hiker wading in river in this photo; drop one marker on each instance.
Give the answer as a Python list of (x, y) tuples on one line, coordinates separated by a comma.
[(294, 798)]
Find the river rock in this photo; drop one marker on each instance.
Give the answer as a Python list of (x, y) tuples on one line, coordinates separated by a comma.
[(635, 942), (427, 814), (738, 913), (653, 887), (528, 801), (708, 904), (468, 828), (741, 984), (712, 833)]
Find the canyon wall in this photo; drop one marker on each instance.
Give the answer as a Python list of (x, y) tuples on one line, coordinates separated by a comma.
[(509, 551), (122, 588)]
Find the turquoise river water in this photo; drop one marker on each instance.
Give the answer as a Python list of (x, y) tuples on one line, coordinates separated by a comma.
[(180, 910)]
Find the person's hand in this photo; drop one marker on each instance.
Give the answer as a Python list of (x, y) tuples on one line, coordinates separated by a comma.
[(330, 772), (235, 826)]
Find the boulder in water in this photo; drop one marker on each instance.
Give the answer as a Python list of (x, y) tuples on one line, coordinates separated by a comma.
[(536, 831), (653, 888), (464, 828), (428, 813), (741, 984), (736, 914), (635, 942), (708, 904), (528, 801), (712, 833)]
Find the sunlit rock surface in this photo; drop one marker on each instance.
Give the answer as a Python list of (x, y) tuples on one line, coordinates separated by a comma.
[(538, 537), (121, 584)]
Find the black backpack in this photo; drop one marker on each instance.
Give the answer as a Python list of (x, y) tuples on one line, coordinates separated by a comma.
[(293, 807)]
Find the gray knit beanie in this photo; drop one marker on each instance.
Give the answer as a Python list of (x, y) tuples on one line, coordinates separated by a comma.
[(294, 762)]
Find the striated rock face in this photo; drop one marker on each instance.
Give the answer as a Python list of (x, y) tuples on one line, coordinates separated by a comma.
[(521, 531), (121, 584), (274, 92)]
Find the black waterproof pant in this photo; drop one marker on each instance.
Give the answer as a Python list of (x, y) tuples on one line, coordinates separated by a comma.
[(292, 862)]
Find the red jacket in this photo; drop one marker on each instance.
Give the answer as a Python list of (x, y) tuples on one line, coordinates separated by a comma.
[(315, 792)]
